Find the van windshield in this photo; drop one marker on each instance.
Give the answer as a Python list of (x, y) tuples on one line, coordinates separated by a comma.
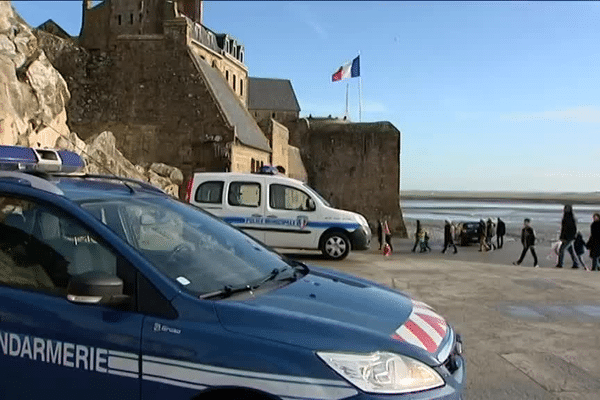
[(198, 251), (317, 194)]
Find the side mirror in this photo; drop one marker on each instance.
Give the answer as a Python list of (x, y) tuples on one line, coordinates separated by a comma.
[(96, 287)]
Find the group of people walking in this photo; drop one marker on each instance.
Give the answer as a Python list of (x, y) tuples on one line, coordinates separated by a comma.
[(571, 241), (487, 230)]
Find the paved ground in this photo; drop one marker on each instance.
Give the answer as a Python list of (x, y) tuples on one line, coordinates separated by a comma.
[(528, 333)]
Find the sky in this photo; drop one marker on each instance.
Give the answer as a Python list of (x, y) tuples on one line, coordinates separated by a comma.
[(487, 95)]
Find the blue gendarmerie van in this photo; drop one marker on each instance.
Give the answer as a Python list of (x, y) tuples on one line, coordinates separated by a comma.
[(111, 289)]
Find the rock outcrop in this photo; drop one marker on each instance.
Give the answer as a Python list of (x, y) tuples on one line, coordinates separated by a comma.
[(103, 157), (33, 94), (33, 106)]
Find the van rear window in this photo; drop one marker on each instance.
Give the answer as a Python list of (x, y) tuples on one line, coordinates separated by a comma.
[(210, 192)]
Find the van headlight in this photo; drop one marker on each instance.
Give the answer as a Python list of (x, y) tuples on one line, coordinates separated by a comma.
[(383, 372), (362, 220)]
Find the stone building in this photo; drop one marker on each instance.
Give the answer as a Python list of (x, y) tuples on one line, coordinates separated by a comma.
[(170, 89), (356, 166), (272, 98), (173, 91)]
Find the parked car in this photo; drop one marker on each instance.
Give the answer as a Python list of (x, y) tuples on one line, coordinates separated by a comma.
[(280, 212), (468, 232), (112, 289)]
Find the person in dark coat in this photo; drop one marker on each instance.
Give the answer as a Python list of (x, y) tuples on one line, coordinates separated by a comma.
[(579, 246), (417, 236), (594, 242), (568, 230), (448, 237), (380, 233), (500, 232), (528, 242)]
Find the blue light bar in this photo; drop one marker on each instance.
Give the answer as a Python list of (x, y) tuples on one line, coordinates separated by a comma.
[(45, 160)]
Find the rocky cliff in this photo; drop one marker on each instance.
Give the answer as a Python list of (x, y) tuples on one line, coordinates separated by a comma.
[(33, 107), (33, 95)]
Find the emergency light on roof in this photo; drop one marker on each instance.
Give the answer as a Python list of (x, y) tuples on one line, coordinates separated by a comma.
[(44, 160)]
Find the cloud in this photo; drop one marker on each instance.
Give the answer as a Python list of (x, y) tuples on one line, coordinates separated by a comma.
[(589, 114)]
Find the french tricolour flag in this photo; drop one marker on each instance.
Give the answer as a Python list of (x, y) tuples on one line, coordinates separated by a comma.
[(349, 70)]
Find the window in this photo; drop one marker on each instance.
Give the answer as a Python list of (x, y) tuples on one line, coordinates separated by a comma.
[(227, 76), (241, 87), (234, 82), (253, 166), (198, 252), (131, 19), (273, 115), (119, 19), (41, 249), (210, 192), (214, 64), (244, 194), (283, 197)]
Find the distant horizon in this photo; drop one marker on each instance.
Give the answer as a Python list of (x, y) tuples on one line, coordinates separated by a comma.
[(488, 96)]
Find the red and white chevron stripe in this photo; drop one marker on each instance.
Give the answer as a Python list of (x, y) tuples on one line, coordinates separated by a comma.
[(423, 328)]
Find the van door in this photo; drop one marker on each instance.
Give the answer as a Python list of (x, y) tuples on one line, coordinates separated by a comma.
[(209, 196), (290, 213), (244, 205)]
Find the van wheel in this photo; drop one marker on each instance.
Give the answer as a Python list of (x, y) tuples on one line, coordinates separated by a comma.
[(335, 246)]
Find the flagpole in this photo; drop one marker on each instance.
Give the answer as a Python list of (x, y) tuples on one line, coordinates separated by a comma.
[(359, 96), (346, 113)]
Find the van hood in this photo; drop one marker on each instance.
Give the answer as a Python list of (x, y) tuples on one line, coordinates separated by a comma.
[(327, 310)]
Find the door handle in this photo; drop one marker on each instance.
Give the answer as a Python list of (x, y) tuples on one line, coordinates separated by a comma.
[(271, 216), (256, 215)]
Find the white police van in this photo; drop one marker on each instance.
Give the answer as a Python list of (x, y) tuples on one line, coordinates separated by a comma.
[(280, 212), (111, 289)]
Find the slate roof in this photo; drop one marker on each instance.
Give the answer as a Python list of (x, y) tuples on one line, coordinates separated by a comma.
[(236, 114), (51, 26), (271, 94)]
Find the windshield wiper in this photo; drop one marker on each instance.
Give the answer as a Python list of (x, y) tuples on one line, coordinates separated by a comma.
[(226, 291), (298, 268)]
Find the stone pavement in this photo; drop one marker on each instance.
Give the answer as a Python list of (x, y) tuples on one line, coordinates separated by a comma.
[(528, 333)]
